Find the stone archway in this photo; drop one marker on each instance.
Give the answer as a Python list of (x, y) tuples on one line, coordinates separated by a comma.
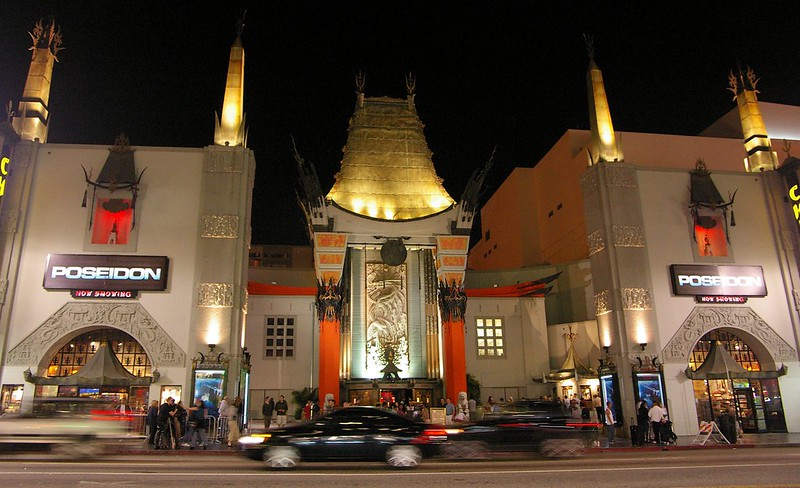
[(766, 342), (131, 318)]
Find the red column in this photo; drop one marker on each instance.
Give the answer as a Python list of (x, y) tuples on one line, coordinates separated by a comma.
[(455, 362), (329, 353)]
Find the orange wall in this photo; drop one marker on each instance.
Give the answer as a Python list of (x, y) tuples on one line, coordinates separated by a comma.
[(518, 215)]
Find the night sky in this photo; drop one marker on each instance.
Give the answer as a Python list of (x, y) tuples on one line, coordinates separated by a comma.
[(489, 74)]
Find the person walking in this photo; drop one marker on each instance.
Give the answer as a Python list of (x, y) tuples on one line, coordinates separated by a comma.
[(196, 426), (281, 407), (266, 411), (610, 423), (656, 416)]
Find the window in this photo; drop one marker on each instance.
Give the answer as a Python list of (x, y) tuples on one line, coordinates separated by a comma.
[(490, 335), (279, 337)]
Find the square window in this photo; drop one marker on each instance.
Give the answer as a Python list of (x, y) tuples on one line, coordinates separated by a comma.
[(489, 333)]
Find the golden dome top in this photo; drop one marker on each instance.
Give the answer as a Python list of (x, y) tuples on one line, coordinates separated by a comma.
[(387, 172)]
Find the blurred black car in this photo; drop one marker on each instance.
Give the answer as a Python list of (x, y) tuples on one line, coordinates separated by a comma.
[(349, 434), (535, 426)]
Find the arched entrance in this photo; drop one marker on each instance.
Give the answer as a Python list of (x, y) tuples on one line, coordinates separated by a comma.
[(154, 348), (755, 366), (728, 379)]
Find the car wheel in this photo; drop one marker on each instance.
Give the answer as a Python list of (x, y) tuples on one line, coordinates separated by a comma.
[(403, 456), (554, 448), (282, 457), (466, 451)]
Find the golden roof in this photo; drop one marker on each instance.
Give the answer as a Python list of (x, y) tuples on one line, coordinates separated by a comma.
[(387, 172)]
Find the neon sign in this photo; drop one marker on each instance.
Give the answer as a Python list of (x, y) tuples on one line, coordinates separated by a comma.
[(3, 174), (792, 194)]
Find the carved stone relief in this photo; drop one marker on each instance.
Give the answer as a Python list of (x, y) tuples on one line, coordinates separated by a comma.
[(223, 162), (131, 318), (220, 226), (620, 176), (602, 302), (704, 319), (215, 295), (628, 236), (596, 242), (636, 299), (3, 290), (589, 182), (9, 221)]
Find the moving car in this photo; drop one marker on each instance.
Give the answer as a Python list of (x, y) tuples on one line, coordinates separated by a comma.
[(535, 426), (69, 436), (349, 434)]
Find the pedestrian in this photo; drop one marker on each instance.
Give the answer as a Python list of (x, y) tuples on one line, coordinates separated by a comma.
[(266, 411), (642, 422), (598, 407), (233, 420), (656, 416), (449, 412), (152, 421), (166, 414), (281, 407), (196, 426), (307, 411), (610, 424)]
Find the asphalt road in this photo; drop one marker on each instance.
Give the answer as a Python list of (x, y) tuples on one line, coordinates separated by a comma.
[(762, 467)]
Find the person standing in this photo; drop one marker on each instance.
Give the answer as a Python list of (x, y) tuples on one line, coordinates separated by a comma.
[(281, 407), (610, 423), (598, 407), (166, 415), (643, 422), (152, 421), (449, 412), (266, 411), (656, 416), (233, 421)]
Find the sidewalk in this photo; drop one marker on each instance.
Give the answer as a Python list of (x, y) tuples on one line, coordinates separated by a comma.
[(688, 442)]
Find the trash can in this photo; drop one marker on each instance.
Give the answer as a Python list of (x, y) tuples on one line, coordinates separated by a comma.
[(727, 425), (634, 435)]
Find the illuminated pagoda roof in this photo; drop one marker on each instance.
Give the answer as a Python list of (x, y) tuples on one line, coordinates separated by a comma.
[(387, 172)]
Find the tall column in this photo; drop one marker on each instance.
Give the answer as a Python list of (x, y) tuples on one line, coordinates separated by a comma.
[(329, 306), (453, 305)]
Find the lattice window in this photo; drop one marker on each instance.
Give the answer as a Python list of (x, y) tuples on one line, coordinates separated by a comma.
[(70, 358), (279, 336), (490, 337), (737, 348)]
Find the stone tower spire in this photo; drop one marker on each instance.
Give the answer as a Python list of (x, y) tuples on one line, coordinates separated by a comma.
[(33, 114), (230, 127), (760, 156), (603, 143)]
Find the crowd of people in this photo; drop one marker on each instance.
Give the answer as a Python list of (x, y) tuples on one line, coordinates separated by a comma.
[(173, 425)]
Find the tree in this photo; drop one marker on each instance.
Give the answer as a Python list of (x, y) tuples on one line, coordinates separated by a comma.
[(473, 388), (301, 397)]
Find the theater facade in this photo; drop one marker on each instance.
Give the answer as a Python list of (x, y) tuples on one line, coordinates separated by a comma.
[(112, 286)]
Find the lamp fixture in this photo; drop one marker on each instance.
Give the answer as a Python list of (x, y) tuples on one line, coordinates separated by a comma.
[(606, 348), (643, 345), (211, 348)]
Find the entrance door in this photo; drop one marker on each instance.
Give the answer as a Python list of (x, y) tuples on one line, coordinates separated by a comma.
[(745, 411)]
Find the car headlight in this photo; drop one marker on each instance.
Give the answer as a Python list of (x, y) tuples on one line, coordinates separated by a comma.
[(255, 439)]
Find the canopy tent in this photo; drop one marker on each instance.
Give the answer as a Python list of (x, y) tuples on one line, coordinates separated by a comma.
[(102, 369), (719, 365)]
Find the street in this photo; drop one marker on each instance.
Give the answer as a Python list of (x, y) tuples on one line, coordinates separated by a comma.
[(762, 467)]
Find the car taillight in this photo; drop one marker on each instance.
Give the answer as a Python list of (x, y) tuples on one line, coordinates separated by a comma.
[(434, 435)]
